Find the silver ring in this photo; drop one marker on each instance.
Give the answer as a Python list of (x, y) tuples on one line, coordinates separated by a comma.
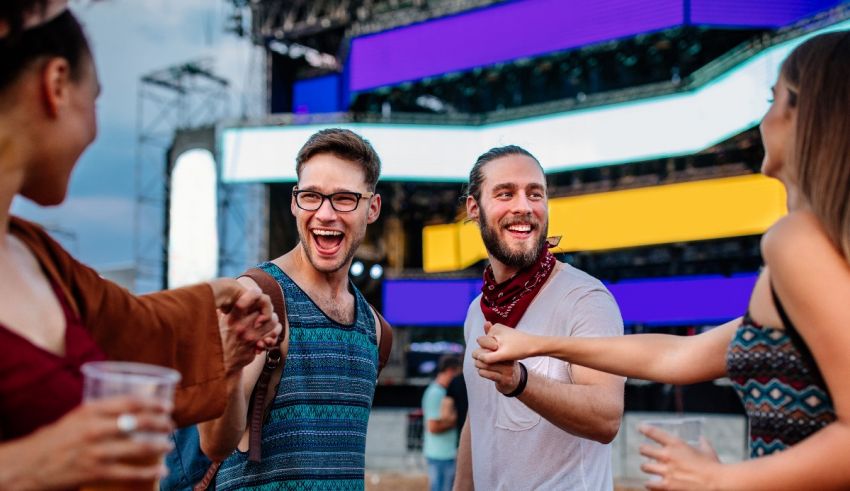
[(127, 423)]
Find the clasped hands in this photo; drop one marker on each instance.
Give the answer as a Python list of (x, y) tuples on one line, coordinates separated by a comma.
[(247, 322), (495, 359)]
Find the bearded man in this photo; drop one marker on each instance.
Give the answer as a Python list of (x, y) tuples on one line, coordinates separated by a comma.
[(539, 423)]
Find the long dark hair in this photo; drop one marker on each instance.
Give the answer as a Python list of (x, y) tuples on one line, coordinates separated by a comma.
[(61, 37)]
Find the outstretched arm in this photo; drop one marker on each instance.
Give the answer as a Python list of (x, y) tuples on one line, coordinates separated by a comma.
[(220, 436), (591, 407), (176, 328), (658, 357)]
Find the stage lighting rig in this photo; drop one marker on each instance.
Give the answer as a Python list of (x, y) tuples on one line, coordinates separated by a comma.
[(312, 56), (376, 272)]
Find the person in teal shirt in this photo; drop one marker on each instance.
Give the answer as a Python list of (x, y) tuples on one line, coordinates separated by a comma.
[(440, 442)]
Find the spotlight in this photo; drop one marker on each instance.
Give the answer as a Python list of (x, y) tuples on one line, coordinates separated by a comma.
[(376, 271), (357, 268)]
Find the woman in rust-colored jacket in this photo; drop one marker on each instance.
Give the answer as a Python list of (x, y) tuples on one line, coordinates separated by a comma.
[(56, 313)]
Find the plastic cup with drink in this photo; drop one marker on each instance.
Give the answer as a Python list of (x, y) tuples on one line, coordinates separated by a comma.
[(689, 430), (113, 379)]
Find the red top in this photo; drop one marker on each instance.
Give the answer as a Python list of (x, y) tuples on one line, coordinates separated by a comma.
[(38, 387), (175, 328)]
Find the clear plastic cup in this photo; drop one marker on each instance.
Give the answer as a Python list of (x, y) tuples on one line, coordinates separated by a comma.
[(118, 378), (105, 379), (687, 429)]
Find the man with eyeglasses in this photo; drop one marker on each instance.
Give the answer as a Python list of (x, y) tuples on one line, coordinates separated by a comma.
[(315, 434)]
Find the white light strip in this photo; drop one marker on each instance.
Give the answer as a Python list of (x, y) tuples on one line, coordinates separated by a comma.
[(193, 230), (649, 128)]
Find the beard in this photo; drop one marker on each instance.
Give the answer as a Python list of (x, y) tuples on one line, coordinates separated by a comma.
[(519, 259)]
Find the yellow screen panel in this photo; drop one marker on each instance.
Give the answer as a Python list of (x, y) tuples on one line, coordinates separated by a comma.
[(700, 210)]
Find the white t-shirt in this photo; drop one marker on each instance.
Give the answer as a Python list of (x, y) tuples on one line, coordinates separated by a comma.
[(513, 447)]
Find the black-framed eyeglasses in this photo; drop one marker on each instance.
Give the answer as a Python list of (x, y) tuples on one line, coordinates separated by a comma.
[(342, 201)]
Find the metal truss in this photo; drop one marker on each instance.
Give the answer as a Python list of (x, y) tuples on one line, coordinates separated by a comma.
[(182, 96), (243, 217)]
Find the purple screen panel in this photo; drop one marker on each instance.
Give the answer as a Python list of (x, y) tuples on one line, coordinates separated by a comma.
[(497, 34), (683, 300), (665, 301), (534, 27), (428, 302), (755, 13)]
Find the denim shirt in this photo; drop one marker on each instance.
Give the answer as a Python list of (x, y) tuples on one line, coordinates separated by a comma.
[(186, 463)]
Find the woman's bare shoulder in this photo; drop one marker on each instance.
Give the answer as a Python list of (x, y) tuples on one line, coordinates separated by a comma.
[(798, 236)]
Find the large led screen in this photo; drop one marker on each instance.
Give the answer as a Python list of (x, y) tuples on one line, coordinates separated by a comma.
[(678, 124), (518, 29)]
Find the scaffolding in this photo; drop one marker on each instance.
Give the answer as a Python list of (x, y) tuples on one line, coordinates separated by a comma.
[(188, 95), (243, 218)]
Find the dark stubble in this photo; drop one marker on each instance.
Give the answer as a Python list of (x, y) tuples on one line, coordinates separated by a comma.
[(346, 258), (512, 259)]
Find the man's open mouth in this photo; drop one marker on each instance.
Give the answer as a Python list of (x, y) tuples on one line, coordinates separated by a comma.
[(327, 241)]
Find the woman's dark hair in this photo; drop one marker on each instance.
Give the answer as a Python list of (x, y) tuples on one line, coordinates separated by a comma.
[(61, 37)]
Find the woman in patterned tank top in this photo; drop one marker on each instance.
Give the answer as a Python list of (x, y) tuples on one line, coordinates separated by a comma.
[(788, 356)]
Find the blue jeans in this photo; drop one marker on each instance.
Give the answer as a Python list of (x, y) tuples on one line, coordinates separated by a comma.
[(441, 474)]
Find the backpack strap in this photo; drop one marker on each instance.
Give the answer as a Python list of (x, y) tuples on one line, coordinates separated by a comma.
[(208, 478), (386, 344), (274, 358)]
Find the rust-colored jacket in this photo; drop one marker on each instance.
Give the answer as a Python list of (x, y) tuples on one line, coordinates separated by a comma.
[(175, 328)]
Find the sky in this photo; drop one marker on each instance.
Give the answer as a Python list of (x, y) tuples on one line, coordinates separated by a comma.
[(131, 38)]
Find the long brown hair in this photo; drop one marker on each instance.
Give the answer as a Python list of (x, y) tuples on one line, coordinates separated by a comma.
[(818, 75)]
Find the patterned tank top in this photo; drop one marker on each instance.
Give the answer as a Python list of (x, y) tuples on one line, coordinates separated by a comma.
[(783, 391), (315, 436)]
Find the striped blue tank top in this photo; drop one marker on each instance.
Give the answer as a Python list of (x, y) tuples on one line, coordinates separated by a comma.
[(315, 436)]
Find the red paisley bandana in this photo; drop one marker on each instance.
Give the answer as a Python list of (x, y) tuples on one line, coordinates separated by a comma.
[(506, 302)]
